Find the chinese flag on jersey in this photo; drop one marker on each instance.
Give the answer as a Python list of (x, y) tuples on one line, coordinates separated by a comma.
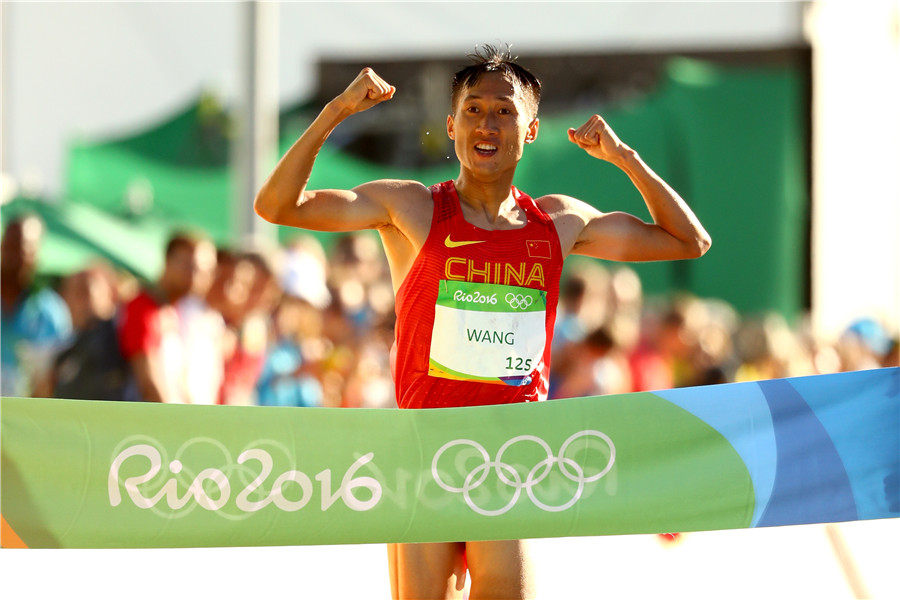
[(538, 249)]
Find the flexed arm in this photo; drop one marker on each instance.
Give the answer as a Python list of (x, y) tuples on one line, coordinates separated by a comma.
[(675, 233), (283, 199)]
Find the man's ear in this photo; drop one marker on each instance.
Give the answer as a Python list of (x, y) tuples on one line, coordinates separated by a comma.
[(450, 133), (532, 132)]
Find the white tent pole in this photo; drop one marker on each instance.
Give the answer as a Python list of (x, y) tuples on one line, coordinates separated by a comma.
[(256, 143)]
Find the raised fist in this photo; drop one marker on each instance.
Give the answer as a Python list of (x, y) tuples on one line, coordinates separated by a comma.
[(597, 139), (364, 92)]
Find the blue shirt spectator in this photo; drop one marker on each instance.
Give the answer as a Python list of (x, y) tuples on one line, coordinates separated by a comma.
[(282, 384), (35, 322)]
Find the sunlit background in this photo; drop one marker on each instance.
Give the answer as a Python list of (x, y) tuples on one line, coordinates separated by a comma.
[(778, 123)]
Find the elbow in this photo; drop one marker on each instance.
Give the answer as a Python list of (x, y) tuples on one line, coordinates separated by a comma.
[(701, 246), (264, 206), (695, 247)]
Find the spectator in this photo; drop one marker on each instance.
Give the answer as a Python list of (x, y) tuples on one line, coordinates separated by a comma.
[(91, 367), (304, 271), (625, 303), (246, 291), (288, 377), (368, 383), (150, 335), (712, 359), (356, 271), (202, 331), (864, 345), (595, 365), (583, 303), (651, 367), (569, 327), (35, 321), (765, 346), (229, 292)]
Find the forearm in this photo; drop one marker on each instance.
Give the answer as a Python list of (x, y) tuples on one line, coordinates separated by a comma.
[(284, 188), (284, 199), (668, 210)]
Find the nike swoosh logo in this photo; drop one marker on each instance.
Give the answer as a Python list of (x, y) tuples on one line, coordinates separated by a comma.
[(451, 244)]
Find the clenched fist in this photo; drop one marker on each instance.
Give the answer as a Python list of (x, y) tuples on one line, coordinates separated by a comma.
[(364, 92), (598, 139)]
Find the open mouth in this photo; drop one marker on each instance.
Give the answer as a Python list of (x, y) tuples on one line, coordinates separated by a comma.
[(485, 149)]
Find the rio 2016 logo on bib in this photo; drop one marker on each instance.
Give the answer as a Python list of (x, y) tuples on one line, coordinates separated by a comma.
[(475, 297)]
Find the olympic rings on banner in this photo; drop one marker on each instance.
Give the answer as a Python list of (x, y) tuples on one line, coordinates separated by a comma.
[(510, 477), (518, 301)]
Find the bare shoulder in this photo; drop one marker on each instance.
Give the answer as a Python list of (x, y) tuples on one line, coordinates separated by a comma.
[(569, 215), (560, 205), (407, 203), (392, 191), (408, 207)]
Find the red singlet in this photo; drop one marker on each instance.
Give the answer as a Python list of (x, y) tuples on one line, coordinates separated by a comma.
[(471, 292)]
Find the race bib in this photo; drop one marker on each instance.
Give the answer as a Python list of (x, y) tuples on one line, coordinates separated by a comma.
[(487, 332)]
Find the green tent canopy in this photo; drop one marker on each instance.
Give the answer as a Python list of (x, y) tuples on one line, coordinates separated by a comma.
[(177, 170), (77, 235)]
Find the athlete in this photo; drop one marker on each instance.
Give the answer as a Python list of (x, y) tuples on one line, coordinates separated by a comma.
[(471, 247)]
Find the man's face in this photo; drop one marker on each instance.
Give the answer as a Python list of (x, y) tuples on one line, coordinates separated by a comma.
[(189, 268), (491, 124), (89, 294), (20, 245), (205, 268)]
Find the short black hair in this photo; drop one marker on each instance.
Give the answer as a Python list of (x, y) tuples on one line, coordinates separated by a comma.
[(183, 239), (492, 59)]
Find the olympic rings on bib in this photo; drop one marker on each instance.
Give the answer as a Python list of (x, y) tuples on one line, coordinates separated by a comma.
[(509, 476), (518, 301)]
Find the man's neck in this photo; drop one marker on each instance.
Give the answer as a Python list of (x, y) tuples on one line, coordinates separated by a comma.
[(490, 197), (164, 293)]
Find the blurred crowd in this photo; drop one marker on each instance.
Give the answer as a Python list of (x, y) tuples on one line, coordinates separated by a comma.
[(292, 326)]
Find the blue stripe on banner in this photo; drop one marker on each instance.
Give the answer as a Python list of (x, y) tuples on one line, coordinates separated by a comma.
[(807, 459), (865, 431)]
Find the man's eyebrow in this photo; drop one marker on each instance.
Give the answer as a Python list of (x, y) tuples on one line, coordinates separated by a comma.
[(501, 98)]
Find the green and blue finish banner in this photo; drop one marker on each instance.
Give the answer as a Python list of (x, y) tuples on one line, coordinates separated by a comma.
[(84, 474)]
